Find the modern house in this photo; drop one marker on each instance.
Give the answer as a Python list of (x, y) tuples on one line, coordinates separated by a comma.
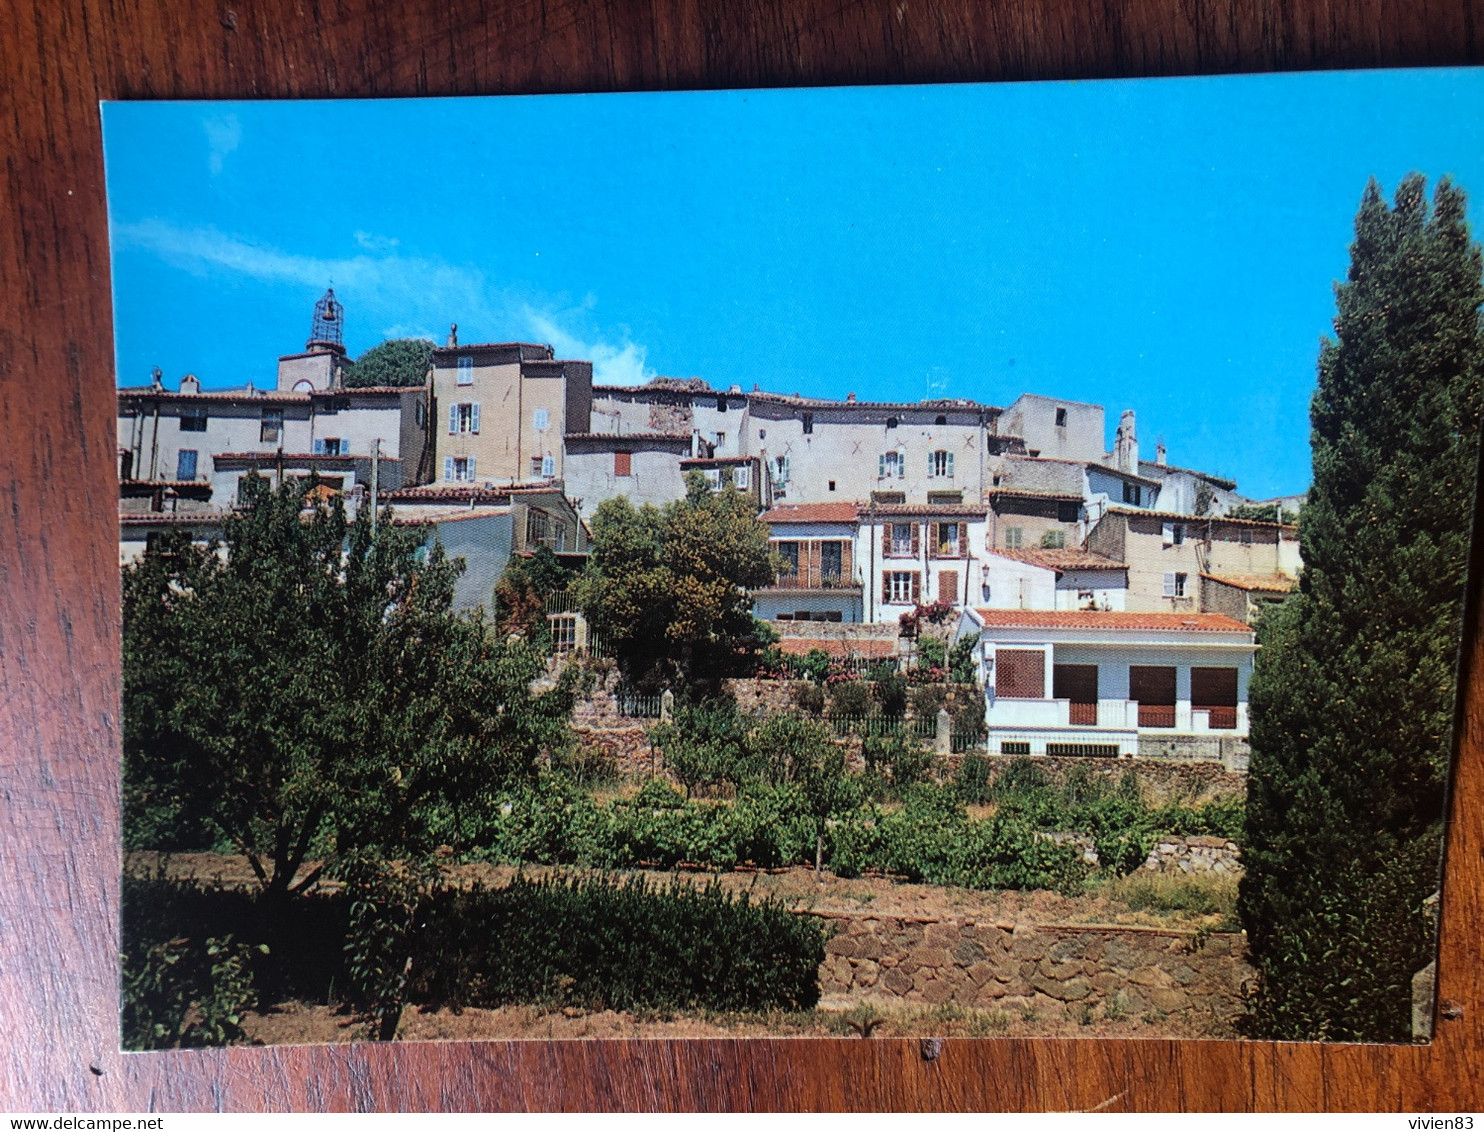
[(1063, 682)]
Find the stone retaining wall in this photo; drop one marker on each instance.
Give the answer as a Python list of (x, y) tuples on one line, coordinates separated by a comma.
[(1195, 854), (1232, 752), (1188, 779), (1112, 970)]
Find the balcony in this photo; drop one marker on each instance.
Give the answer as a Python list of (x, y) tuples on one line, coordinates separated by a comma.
[(813, 579)]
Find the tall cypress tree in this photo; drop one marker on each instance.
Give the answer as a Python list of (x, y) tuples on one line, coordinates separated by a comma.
[(1354, 691)]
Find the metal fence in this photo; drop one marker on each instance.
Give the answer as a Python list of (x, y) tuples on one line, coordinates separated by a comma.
[(877, 726), (634, 706)]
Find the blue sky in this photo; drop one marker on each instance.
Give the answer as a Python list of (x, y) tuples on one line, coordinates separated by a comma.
[(1163, 245)]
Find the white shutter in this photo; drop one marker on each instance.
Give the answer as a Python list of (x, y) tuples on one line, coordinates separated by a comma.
[(932, 457), (1169, 585), (471, 469), (950, 465), (453, 419), (542, 419), (548, 465), (448, 469), (474, 417), (1169, 535)]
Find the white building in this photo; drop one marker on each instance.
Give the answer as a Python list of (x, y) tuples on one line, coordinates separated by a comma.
[(1061, 682)]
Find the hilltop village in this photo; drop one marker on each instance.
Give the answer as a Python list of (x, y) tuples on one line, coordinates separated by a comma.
[(1112, 596)]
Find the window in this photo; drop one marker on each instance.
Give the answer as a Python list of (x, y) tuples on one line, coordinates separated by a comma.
[(901, 587), (458, 469), (721, 403), (463, 416), (1054, 540), (466, 370), (1132, 494), (1068, 512), (330, 446), (535, 467), (1077, 683), (1061, 417), (808, 423), (1244, 537), (1013, 538), (891, 422), (721, 439), (940, 419), (193, 420), (940, 464), (563, 633), (548, 466), (623, 463), (832, 485), (540, 419), (1020, 674), (949, 539), (1214, 690), (944, 498), (789, 552), (538, 527), (948, 586), (781, 471), (901, 540), (185, 464), (1154, 689), (742, 477), (831, 562), (891, 466), (1174, 534), (713, 478), (272, 426), (1175, 585)]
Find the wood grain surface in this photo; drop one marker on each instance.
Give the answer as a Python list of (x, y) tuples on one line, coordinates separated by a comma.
[(59, 588)]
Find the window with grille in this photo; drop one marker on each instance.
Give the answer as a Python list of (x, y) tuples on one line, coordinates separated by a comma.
[(1020, 674), (563, 633)]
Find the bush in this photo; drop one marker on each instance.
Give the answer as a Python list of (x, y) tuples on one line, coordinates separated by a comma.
[(809, 698), (926, 699), (891, 693), (705, 745), (905, 760), (599, 942), (852, 697), (973, 779), (1203, 894), (180, 993)]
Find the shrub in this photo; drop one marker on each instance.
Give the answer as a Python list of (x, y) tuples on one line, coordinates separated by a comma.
[(180, 992), (904, 759), (600, 942), (705, 745), (891, 693), (973, 779), (809, 698), (926, 699), (850, 698)]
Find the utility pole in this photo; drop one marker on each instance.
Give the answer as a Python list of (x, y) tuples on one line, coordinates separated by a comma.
[(375, 476)]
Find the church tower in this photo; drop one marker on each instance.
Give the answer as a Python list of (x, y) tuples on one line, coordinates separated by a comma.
[(323, 359)]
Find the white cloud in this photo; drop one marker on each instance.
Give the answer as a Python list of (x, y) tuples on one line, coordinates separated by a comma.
[(612, 365), (403, 296), (223, 135), (374, 243)]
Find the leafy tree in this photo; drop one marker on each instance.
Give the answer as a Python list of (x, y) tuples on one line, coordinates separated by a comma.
[(521, 593), (1353, 694), (1262, 512), (667, 587), (706, 744), (397, 361), (305, 687)]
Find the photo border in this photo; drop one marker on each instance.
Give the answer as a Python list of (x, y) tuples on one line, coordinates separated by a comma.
[(59, 580)]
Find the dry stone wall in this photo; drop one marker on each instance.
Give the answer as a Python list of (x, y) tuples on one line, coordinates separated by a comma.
[(1195, 854), (1047, 968)]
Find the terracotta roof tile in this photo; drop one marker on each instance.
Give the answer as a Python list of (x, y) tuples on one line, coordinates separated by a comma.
[(1189, 519), (812, 513), (1272, 583), (1079, 619), (1067, 559)]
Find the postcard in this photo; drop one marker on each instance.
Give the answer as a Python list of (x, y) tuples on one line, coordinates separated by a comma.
[(972, 560)]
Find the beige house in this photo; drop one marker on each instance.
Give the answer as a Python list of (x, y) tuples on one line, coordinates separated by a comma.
[(503, 411)]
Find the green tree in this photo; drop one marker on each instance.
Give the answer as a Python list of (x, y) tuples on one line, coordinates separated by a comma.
[(1353, 695), (667, 587), (395, 362), (306, 686), (521, 593)]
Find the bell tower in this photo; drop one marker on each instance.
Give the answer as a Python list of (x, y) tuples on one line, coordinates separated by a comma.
[(323, 359)]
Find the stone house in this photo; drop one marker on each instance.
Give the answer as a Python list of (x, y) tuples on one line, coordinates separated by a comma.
[(915, 553), (1112, 684), (821, 575), (1167, 554)]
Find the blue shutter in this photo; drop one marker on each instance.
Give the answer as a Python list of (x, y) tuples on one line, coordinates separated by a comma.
[(447, 469), (950, 465), (319, 446), (471, 469), (474, 417), (453, 419)]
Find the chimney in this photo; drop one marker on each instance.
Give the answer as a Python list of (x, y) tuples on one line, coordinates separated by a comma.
[(1126, 444), (453, 334), (1159, 454), (849, 397)]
